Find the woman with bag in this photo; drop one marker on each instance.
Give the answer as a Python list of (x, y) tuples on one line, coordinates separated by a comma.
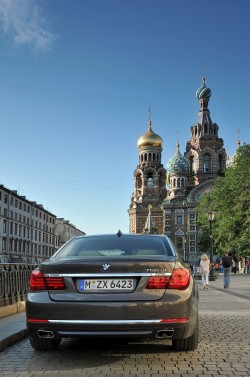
[(204, 270)]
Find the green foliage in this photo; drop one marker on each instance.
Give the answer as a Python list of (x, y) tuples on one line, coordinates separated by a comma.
[(230, 199)]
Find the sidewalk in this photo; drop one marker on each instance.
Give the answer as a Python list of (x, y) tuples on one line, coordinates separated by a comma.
[(239, 285), (13, 327)]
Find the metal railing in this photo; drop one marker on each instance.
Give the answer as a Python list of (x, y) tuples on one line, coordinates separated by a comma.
[(14, 278)]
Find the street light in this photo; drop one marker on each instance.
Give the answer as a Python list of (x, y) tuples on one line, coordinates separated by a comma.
[(211, 215)]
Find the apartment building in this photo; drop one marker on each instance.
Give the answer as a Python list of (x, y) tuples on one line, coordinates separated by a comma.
[(28, 232)]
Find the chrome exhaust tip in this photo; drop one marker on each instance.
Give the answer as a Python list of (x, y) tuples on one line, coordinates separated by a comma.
[(163, 334), (45, 334)]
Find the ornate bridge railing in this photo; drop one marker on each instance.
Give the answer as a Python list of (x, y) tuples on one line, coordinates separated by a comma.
[(14, 278)]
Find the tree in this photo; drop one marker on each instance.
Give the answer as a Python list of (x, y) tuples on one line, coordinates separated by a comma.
[(230, 199)]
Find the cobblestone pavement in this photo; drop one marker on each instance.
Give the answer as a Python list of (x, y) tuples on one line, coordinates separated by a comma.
[(224, 350)]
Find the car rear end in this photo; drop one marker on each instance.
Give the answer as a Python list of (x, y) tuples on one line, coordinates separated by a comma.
[(123, 290)]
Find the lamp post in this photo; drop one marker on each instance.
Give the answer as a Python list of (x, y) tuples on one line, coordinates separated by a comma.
[(211, 215)]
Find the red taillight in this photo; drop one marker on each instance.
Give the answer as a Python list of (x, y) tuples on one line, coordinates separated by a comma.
[(158, 282), (179, 279), (39, 282), (55, 283)]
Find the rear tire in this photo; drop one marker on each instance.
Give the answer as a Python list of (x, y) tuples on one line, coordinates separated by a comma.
[(43, 344), (188, 344)]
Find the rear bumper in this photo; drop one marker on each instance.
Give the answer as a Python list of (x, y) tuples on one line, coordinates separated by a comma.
[(175, 319), (111, 329)]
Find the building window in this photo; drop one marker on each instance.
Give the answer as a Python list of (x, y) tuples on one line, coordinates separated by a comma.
[(192, 169), (4, 245), (179, 220), (220, 165), (179, 243), (207, 163), (150, 182)]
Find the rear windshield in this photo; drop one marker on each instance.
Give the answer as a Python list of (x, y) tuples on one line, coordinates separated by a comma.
[(114, 246)]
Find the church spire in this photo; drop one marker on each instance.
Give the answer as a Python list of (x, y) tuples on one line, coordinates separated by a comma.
[(149, 226)]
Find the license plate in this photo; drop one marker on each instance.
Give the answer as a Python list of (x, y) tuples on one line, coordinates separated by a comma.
[(105, 285)]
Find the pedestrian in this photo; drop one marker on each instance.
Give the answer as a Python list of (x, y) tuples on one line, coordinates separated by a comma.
[(243, 264), (204, 269), (226, 262), (234, 263)]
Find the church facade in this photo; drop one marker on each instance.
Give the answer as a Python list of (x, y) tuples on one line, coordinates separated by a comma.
[(165, 198)]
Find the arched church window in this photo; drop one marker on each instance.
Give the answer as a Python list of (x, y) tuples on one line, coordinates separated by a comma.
[(138, 181), (220, 165), (191, 165), (150, 182), (207, 163)]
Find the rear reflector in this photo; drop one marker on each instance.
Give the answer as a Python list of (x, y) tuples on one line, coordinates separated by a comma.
[(37, 320), (170, 320)]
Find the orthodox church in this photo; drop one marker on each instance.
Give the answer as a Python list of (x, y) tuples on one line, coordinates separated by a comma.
[(164, 198)]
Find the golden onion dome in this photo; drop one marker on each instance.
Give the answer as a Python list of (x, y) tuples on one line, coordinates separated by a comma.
[(150, 138)]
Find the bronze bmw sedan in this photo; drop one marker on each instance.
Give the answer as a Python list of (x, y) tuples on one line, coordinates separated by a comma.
[(120, 285)]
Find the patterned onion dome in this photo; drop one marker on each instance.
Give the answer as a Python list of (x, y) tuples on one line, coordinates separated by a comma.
[(178, 164), (231, 162), (203, 91), (150, 138)]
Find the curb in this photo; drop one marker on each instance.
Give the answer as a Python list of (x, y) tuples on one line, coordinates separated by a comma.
[(13, 339), (7, 310)]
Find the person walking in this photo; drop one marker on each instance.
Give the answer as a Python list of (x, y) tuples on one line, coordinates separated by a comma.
[(204, 267), (226, 262), (235, 266)]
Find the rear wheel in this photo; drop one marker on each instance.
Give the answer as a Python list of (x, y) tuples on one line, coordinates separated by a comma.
[(190, 343), (43, 344)]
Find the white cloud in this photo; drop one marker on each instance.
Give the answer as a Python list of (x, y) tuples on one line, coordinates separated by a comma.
[(24, 21)]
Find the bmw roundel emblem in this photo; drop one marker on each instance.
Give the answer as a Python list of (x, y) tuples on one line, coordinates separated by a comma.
[(106, 267)]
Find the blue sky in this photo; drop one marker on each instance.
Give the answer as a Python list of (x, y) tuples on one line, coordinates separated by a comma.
[(78, 77)]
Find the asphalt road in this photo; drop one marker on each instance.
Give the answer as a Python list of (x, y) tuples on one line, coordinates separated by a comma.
[(224, 348)]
